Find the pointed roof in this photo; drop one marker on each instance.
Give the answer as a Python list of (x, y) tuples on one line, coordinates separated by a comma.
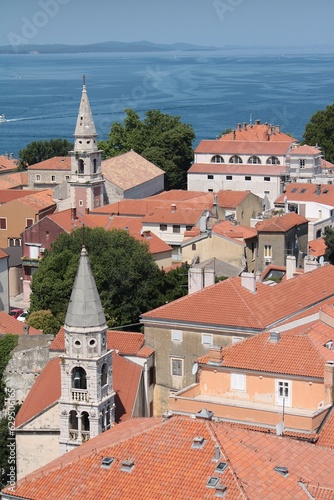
[(85, 308), (85, 124)]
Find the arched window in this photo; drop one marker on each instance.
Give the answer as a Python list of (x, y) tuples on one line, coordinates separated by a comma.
[(193, 246), (235, 159), (84, 421), (318, 234), (104, 374), (217, 159), (73, 425), (255, 160), (108, 417), (79, 380), (81, 166), (273, 160), (95, 165)]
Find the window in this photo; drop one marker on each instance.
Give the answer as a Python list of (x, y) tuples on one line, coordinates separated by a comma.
[(67, 177), (37, 177), (229, 177), (80, 203), (176, 335), (283, 392), (29, 222), (176, 228), (79, 378), (210, 190), (235, 340), (207, 339), (267, 252), (238, 381), (81, 166), (318, 234), (235, 159), (302, 163), (217, 159), (104, 374), (163, 227), (3, 223), (53, 178), (253, 250), (266, 179), (177, 367), (189, 228), (273, 160), (248, 178), (94, 166), (193, 246), (255, 160), (210, 176)]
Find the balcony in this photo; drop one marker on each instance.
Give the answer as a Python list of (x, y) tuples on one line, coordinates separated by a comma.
[(31, 261), (80, 395), (104, 391), (85, 436), (74, 434)]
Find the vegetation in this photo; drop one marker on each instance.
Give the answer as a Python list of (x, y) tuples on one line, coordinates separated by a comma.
[(127, 278), (38, 151), (320, 130), (160, 138), (45, 321), (329, 241), (7, 344)]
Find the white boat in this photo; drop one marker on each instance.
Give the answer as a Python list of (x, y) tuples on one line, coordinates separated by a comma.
[(2, 118)]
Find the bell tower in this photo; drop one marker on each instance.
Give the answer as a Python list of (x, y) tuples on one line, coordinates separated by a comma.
[(87, 397), (86, 181)]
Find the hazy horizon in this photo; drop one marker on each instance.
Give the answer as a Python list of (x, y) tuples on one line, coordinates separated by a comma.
[(219, 23)]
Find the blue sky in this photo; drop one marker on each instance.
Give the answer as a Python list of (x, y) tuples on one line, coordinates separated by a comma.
[(204, 22)]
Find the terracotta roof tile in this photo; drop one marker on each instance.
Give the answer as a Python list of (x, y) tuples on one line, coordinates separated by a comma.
[(317, 248), (326, 437), (7, 195), (299, 191), (237, 169), (129, 169), (281, 223), (181, 215), (177, 195), (226, 228), (8, 164), (14, 181), (230, 147), (9, 324), (231, 199), (299, 351), (258, 132), (126, 379), (167, 466), (305, 150), (39, 200), (229, 304), (55, 163)]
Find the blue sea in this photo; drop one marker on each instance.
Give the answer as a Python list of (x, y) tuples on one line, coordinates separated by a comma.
[(211, 90)]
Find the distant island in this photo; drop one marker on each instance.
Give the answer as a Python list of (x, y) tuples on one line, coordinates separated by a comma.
[(142, 46)]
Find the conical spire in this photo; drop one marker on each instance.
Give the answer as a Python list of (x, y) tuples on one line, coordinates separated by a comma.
[(85, 124), (85, 308)]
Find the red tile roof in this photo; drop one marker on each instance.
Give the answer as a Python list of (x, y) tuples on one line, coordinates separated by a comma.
[(8, 164), (166, 465), (129, 170), (182, 214), (126, 380), (43, 394), (258, 132), (9, 324), (55, 163), (126, 343), (305, 150), (281, 223), (326, 437), (14, 181), (3, 255), (299, 351), (39, 200), (177, 195), (231, 199), (7, 195), (229, 304), (226, 228), (237, 169), (277, 148), (299, 191), (317, 248)]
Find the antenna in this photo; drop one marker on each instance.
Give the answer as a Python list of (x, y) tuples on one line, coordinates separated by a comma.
[(84, 79)]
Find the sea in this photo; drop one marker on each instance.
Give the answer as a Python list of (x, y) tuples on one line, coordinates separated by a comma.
[(210, 90)]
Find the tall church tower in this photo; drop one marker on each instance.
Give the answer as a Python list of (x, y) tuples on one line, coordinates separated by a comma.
[(86, 182), (87, 396)]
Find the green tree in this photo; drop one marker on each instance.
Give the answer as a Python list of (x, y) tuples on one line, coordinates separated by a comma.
[(160, 138), (329, 241), (127, 278), (38, 151), (320, 130), (45, 321)]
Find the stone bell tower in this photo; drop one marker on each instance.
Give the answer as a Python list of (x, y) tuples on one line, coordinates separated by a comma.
[(86, 181), (87, 397)]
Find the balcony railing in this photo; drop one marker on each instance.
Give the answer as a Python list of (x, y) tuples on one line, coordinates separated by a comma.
[(85, 435), (74, 435), (104, 391), (80, 395)]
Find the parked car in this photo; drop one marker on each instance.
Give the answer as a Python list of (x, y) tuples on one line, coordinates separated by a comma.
[(22, 316), (15, 312)]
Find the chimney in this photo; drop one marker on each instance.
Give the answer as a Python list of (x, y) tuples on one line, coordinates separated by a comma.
[(215, 354), (217, 452), (248, 281), (239, 126), (87, 210), (234, 135), (310, 264), (290, 266), (278, 128), (73, 213), (329, 382), (318, 189), (257, 122), (173, 207), (274, 337), (244, 125)]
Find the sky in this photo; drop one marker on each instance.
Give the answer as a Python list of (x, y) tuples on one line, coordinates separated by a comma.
[(202, 22)]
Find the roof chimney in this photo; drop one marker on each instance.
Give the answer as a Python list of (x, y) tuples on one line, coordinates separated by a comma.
[(26, 329), (257, 122), (310, 264), (244, 125), (248, 281), (215, 354), (290, 266), (73, 213), (239, 126), (173, 207), (274, 337), (318, 189), (278, 128)]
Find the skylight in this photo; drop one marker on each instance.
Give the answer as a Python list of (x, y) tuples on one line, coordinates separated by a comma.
[(212, 482), (294, 190), (106, 462), (303, 190), (284, 471), (221, 467)]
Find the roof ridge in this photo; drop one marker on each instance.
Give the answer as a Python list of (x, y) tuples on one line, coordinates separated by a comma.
[(237, 289)]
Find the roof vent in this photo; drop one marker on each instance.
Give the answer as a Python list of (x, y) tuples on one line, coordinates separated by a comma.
[(212, 482), (168, 414), (284, 471), (198, 442), (221, 467), (127, 465), (205, 414), (274, 337), (106, 462), (220, 490), (173, 207)]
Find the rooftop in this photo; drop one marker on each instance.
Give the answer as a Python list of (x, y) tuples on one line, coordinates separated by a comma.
[(281, 223), (299, 191), (55, 163)]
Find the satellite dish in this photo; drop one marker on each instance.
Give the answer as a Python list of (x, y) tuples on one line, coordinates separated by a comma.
[(321, 260), (194, 368)]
